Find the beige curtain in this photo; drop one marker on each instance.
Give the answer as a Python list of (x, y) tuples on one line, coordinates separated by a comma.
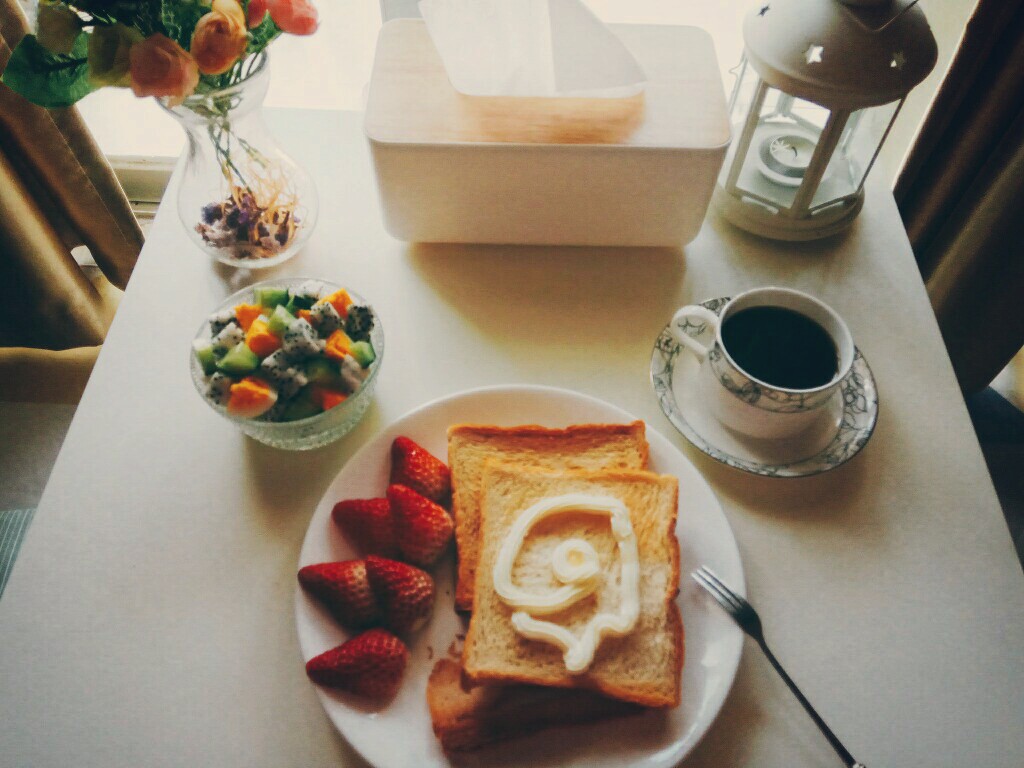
[(961, 194), (57, 191)]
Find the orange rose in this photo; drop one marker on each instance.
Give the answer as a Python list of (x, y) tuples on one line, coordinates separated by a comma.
[(219, 38), (160, 67), (297, 17)]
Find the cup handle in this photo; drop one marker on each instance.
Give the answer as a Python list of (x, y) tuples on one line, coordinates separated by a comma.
[(697, 312)]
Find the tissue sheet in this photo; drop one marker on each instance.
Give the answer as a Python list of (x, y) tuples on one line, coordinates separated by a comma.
[(530, 48)]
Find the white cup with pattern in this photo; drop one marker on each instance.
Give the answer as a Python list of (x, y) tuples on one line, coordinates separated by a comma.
[(754, 404)]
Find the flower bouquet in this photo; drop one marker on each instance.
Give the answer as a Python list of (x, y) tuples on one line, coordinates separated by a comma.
[(241, 198)]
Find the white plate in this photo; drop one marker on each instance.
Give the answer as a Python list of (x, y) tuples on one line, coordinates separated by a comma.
[(399, 735)]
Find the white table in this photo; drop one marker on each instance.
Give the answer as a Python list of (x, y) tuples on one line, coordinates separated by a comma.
[(149, 620)]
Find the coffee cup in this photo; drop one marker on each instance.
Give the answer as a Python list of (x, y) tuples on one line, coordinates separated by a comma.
[(778, 357)]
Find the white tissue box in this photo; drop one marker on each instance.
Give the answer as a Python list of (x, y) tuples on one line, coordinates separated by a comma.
[(630, 172)]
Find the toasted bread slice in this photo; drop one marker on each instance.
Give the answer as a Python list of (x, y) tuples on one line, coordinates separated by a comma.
[(642, 666), (586, 446), (466, 719)]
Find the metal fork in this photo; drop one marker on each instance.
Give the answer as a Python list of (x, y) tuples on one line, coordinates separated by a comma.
[(746, 617)]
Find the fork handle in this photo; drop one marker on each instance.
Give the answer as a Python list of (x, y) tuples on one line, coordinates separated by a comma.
[(837, 745)]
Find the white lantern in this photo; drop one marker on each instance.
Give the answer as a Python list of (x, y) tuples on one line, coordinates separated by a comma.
[(819, 85)]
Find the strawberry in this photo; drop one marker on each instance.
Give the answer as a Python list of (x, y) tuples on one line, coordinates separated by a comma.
[(405, 593), (422, 528), (345, 590), (370, 664), (414, 467), (368, 523)]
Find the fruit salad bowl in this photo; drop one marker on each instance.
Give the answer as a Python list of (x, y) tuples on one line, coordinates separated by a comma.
[(292, 361)]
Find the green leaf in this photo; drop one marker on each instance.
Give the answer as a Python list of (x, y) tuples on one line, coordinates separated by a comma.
[(262, 35), (143, 15), (179, 18), (49, 79)]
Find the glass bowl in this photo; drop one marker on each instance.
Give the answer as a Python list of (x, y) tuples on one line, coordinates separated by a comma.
[(314, 431)]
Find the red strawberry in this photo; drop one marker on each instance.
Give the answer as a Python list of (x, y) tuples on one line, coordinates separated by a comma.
[(345, 589), (405, 593), (414, 467), (367, 522), (422, 528), (370, 664)]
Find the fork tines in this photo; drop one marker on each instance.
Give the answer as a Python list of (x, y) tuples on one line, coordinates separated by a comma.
[(707, 579)]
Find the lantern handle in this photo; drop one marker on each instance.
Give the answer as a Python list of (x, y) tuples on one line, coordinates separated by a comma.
[(871, 17)]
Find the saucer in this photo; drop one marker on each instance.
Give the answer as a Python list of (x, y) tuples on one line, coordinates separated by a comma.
[(846, 423)]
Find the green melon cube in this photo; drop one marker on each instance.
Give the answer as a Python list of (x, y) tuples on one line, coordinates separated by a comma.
[(280, 320), (205, 355), (239, 361), (270, 297), (322, 371), (363, 352)]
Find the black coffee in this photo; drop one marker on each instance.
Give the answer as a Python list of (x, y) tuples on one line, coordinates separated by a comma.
[(780, 347)]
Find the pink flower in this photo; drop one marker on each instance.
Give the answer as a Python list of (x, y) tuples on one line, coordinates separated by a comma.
[(297, 17), (160, 67), (255, 12), (219, 37)]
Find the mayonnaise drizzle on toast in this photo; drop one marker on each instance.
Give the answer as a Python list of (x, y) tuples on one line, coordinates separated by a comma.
[(576, 567)]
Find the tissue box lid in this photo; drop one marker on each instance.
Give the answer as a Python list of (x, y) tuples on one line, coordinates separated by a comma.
[(411, 100)]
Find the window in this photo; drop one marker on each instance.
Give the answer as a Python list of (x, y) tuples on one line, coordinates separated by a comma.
[(330, 70)]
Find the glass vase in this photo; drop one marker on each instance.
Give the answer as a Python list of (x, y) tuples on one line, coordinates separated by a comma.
[(241, 198)]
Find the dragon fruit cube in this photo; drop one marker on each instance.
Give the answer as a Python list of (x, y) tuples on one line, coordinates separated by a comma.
[(352, 373), (220, 320), (230, 336), (308, 290), (359, 322), (218, 388), (300, 341), (326, 318), (286, 378)]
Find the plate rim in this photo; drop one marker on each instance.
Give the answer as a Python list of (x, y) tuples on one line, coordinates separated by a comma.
[(666, 398), (730, 668)]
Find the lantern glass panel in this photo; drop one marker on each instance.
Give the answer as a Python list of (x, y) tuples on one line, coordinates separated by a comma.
[(777, 134), (862, 137)]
